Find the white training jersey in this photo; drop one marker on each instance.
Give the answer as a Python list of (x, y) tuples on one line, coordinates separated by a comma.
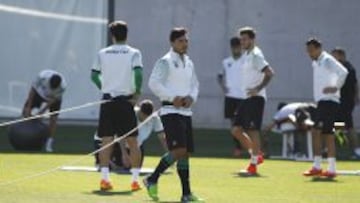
[(154, 125), (231, 72), (42, 85), (289, 109), (328, 72), (252, 75), (116, 63), (173, 77)]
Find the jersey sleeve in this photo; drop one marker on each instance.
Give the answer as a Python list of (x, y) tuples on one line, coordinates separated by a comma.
[(38, 81), (157, 79), (260, 62), (137, 60), (194, 86), (222, 69), (97, 64), (338, 69)]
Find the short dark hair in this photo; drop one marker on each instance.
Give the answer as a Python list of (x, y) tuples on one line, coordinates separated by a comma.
[(234, 41), (281, 105), (314, 42), (248, 31), (55, 81), (119, 30), (301, 115), (339, 50), (177, 32), (147, 107)]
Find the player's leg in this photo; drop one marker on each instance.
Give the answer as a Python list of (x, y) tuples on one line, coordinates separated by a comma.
[(135, 158), (349, 126), (183, 164), (126, 122), (52, 125), (242, 137), (230, 107), (331, 116), (237, 130), (252, 123), (174, 130), (106, 133)]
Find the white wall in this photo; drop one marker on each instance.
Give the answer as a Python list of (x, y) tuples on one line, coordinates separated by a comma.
[(282, 25), (60, 35)]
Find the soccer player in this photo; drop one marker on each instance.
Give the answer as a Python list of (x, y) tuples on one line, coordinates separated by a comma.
[(174, 81), (120, 69), (349, 97), (228, 79), (120, 157), (329, 77), (255, 76), (48, 88), (298, 114), (291, 113)]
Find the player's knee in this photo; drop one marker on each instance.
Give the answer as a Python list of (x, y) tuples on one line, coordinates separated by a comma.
[(132, 142), (180, 153), (237, 132)]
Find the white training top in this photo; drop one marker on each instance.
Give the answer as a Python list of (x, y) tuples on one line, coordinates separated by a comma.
[(42, 85), (328, 72), (289, 109), (173, 77), (231, 71), (116, 63), (154, 125), (252, 70)]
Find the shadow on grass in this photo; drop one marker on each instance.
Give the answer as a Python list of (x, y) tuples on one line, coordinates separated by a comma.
[(323, 180), (111, 193), (245, 175)]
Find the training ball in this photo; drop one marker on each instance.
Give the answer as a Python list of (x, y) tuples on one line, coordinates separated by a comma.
[(28, 135)]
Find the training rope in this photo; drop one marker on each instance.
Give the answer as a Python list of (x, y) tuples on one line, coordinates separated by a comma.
[(52, 170), (53, 113)]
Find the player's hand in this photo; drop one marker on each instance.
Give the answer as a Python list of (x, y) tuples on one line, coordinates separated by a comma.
[(26, 112), (330, 90), (253, 92), (187, 101), (178, 102), (134, 99)]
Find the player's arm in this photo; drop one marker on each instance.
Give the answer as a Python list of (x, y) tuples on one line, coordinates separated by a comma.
[(26, 112), (340, 71), (95, 78), (262, 65), (221, 80), (96, 73), (354, 82), (189, 100), (157, 79)]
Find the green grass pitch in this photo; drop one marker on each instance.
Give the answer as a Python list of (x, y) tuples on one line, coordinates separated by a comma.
[(213, 177)]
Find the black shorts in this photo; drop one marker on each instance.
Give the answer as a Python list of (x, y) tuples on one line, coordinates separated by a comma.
[(179, 132), (346, 110), (326, 115), (250, 113), (230, 107), (117, 117), (37, 101)]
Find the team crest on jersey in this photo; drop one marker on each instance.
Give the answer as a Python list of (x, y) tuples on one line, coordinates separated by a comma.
[(229, 65), (176, 64)]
